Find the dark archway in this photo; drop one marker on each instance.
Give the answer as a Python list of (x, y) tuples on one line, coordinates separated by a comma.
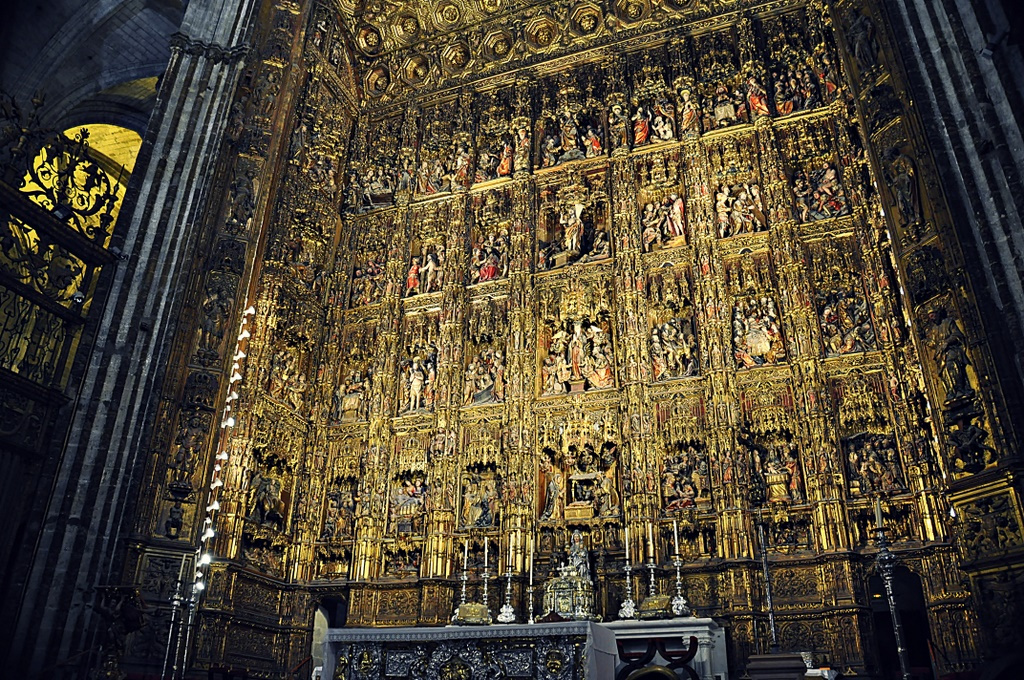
[(909, 596)]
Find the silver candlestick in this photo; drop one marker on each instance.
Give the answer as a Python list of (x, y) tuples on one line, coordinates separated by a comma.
[(462, 600), (653, 585), (680, 607), (507, 615), (529, 596), (487, 576), (627, 610)]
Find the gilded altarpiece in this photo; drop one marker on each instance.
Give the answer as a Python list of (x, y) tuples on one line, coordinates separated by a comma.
[(656, 263)]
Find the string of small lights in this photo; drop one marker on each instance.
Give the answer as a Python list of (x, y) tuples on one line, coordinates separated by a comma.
[(204, 554)]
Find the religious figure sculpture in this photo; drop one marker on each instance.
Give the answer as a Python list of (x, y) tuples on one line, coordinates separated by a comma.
[(215, 308), (480, 500), (617, 126), (419, 374), (846, 325), (819, 194), (662, 225), (578, 358), (368, 281), (570, 595), (686, 478), (485, 378), (873, 464), (552, 486), (266, 505), (408, 499), (757, 337), (902, 175), (739, 210), (949, 349)]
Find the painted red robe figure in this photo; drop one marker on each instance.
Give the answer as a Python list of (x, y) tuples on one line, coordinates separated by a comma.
[(489, 269), (757, 98), (412, 279), (641, 126), (505, 166)]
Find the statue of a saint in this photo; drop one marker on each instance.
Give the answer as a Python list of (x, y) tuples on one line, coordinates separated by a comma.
[(578, 558)]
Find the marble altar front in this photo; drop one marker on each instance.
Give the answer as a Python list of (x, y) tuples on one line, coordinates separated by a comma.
[(573, 650), (711, 661)]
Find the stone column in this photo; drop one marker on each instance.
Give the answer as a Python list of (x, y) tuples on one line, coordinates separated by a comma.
[(80, 545)]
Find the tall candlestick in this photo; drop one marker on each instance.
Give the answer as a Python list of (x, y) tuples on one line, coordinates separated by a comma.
[(627, 544), (650, 541), (878, 511), (675, 534), (485, 552)]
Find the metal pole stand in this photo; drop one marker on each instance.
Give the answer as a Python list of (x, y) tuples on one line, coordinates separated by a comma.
[(680, 607), (487, 609), (767, 584), (627, 610), (529, 596), (506, 614), (886, 561), (464, 578)]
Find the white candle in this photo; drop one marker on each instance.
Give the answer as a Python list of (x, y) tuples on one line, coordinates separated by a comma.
[(465, 555), (627, 544), (650, 541), (675, 535), (531, 560), (878, 511), (485, 552)]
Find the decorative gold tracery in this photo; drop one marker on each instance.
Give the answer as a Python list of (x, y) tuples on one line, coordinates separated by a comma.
[(540, 352)]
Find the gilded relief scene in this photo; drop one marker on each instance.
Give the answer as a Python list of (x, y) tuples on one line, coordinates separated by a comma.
[(626, 321), (573, 222)]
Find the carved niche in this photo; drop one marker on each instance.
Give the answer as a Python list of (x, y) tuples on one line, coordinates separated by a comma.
[(373, 174), (427, 254), (756, 321), (443, 164), (840, 299), (571, 124), (484, 379), (670, 316), (573, 221), (418, 366), (575, 338), (408, 488), (809, 150), (868, 440), (578, 469), (739, 206), (723, 87), (662, 219), (767, 437), (350, 398), (653, 113), (496, 139), (490, 236), (803, 74), (369, 259)]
